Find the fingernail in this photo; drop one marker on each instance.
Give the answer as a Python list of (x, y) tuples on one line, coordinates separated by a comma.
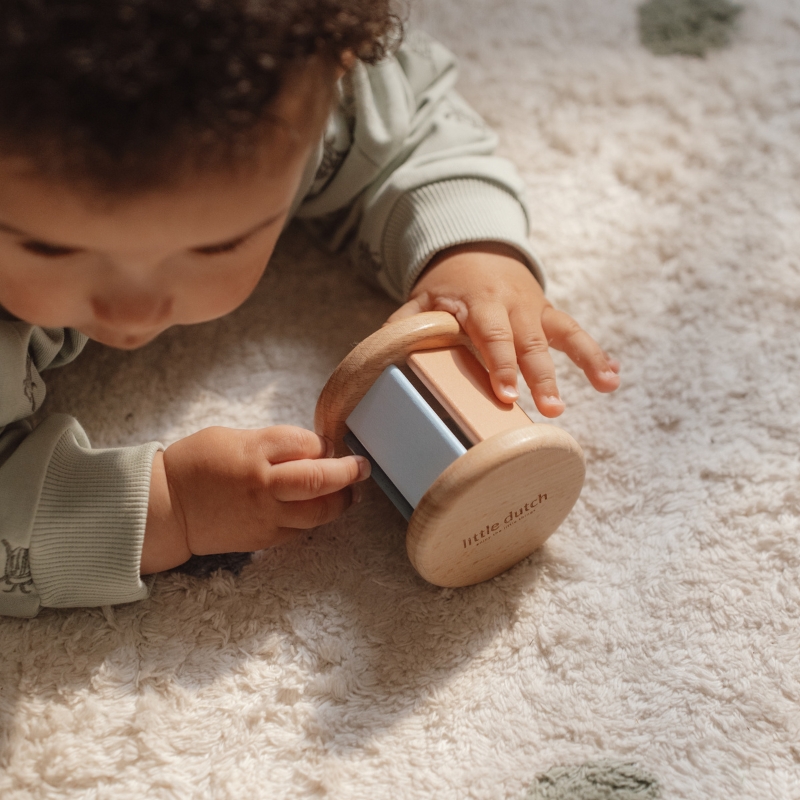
[(553, 400), (510, 392), (364, 467), (356, 493), (329, 448), (609, 375)]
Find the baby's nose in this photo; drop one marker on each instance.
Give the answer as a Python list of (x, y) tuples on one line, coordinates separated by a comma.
[(140, 310)]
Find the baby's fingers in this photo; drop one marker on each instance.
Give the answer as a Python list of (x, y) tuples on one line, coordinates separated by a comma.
[(536, 364), (566, 335), (489, 328), (305, 514), (308, 479), (281, 443)]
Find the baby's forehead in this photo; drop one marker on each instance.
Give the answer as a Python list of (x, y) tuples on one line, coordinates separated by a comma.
[(295, 125)]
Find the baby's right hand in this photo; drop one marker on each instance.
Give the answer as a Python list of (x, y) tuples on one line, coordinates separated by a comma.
[(223, 490)]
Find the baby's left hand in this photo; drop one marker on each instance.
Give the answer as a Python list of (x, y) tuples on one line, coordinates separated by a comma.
[(503, 310)]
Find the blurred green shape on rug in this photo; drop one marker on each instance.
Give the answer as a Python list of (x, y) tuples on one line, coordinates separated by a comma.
[(595, 780), (689, 27)]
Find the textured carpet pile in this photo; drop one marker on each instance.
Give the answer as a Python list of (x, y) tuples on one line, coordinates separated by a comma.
[(657, 628)]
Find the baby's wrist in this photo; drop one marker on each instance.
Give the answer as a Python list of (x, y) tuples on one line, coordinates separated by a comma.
[(165, 543), (485, 248), (491, 266), (489, 259)]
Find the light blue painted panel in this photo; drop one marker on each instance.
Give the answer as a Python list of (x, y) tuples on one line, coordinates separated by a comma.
[(403, 434)]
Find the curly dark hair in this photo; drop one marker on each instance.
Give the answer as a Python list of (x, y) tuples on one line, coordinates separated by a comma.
[(116, 93)]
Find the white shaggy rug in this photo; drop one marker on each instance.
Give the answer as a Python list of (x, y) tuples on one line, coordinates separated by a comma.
[(660, 625)]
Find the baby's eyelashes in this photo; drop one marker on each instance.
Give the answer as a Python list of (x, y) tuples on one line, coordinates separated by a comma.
[(59, 251), (47, 250), (217, 249), (232, 244)]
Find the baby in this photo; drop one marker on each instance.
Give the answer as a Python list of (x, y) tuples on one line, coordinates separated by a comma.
[(151, 153)]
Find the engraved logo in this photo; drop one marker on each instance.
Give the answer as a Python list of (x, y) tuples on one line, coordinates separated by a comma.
[(29, 385), (512, 518)]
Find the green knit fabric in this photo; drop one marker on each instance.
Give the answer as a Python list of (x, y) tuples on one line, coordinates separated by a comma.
[(595, 780), (689, 27)]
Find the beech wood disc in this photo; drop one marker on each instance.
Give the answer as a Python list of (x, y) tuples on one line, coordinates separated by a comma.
[(495, 505)]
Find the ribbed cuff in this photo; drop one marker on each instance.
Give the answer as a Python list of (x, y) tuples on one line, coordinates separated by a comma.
[(448, 213), (88, 533)]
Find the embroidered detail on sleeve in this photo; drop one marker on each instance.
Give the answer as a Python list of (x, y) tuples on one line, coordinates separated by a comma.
[(17, 570), (332, 158), (462, 113), (29, 384)]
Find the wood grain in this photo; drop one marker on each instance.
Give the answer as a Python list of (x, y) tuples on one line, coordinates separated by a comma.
[(495, 505), (362, 366)]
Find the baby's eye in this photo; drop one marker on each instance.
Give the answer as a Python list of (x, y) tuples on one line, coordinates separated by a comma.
[(216, 249), (47, 250)]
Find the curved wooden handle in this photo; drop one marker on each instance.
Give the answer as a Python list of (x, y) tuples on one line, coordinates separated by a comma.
[(361, 368)]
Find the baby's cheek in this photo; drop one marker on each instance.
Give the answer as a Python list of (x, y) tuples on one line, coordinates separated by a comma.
[(42, 299), (222, 290)]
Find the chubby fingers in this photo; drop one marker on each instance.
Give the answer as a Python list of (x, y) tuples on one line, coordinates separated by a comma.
[(305, 514), (506, 339), (314, 493), (566, 335), (308, 479), (282, 443), (488, 326), (538, 370)]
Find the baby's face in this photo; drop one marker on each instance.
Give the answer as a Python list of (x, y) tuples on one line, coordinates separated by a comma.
[(123, 272)]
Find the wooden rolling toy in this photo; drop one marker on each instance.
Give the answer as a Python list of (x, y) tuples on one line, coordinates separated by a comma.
[(481, 485)]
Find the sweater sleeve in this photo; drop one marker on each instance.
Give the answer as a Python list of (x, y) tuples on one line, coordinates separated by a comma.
[(406, 169), (72, 518)]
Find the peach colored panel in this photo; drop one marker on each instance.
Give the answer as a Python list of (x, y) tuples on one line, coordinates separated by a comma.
[(461, 384)]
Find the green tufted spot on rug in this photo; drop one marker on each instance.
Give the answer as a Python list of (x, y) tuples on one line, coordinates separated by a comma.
[(595, 780), (689, 27)]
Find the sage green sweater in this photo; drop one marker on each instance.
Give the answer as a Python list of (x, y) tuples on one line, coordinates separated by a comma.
[(404, 170)]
